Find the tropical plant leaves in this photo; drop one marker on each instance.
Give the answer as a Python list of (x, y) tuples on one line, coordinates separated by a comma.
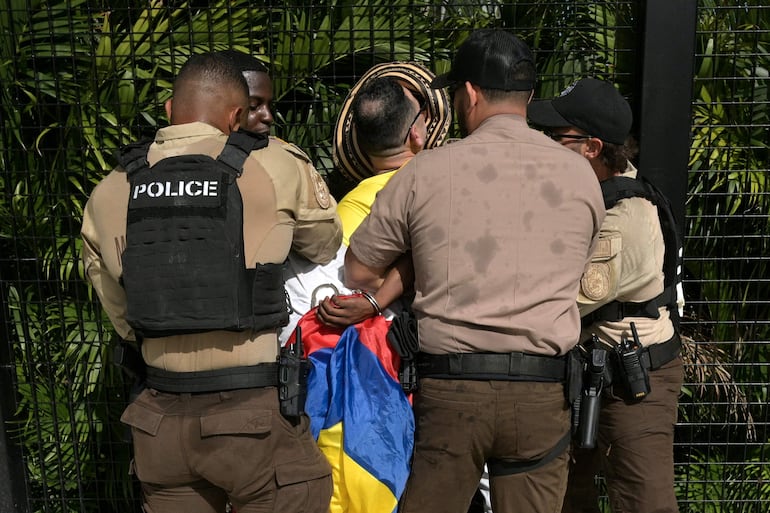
[(82, 78)]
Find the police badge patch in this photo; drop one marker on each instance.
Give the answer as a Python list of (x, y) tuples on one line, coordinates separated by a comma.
[(322, 194), (595, 283)]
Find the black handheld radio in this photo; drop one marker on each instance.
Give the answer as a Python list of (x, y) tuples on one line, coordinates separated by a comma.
[(636, 378)]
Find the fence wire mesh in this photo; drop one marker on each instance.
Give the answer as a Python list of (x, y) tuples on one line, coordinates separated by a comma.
[(82, 77), (722, 449)]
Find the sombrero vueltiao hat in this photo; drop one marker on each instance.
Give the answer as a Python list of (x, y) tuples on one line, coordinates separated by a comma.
[(348, 157)]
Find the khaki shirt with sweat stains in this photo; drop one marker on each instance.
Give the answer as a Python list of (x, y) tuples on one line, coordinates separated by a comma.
[(627, 266), (501, 225), (286, 205)]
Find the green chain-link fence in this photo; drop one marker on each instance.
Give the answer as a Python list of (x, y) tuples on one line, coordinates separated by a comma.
[(80, 77)]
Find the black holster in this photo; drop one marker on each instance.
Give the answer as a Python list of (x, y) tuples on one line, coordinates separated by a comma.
[(129, 358), (591, 398), (293, 369), (126, 356), (402, 337)]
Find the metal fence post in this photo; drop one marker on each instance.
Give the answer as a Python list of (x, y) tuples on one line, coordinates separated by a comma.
[(13, 491), (666, 93)]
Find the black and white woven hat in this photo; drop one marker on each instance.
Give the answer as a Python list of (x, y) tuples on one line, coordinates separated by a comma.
[(348, 157)]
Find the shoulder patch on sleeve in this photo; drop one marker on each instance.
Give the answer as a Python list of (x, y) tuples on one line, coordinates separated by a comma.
[(603, 250), (597, 280), (595, 283), (606, 248), (320, 189)]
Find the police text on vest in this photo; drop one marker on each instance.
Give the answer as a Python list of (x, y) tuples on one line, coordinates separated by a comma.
[(176, 189)]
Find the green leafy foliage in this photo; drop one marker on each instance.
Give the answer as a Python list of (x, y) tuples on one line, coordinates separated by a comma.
[(715, 484), (319, 51), (82, 77), (598, 48), (728, 159)]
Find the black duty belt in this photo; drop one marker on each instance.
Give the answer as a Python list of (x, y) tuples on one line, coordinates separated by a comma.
[(619, 310), (657, 355), (254, 376), (492, 366)]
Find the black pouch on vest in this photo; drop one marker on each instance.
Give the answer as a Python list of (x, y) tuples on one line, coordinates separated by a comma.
[(575, 368)]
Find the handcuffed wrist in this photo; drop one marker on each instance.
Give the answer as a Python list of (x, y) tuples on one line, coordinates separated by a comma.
[(372, 301)]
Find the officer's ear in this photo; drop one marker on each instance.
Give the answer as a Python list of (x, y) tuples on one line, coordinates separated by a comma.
[(168, 108), (593, 147), (473, 93), (235, 118)]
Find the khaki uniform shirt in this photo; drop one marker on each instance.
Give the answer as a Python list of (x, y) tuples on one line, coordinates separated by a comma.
[(286, 205), (627, 266), (501, 225)]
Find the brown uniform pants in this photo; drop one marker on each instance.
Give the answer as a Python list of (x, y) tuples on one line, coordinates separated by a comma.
[(193, 452), (634, 449), (461, 424)]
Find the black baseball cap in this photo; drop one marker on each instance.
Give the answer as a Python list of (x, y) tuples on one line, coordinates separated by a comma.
[(488, 59), (591, 105)]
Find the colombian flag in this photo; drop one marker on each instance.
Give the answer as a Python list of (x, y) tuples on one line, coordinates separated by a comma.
[(360, 416)]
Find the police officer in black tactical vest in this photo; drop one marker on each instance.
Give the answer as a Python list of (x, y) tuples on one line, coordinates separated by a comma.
[(629, 302), (184, 244)]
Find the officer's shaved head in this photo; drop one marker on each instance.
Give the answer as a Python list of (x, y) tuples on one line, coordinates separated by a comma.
[(209, 88), (244, 61)]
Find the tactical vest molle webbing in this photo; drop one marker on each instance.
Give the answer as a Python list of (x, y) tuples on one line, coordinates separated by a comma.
[(184, 268), (622, 187)]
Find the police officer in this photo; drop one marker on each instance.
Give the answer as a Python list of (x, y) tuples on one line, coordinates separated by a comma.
[(501, 225), (259, 116), (170, 237), (303, 277), (624, 284)]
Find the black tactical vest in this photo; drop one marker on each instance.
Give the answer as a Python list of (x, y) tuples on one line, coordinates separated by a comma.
[(184, 268), (622, 187)]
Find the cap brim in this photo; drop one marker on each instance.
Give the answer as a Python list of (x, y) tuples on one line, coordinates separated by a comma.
[(542, 113), (346, 154)]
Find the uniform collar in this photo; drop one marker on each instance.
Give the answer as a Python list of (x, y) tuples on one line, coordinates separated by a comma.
[(502, 120), (630, 171), (196, 129)]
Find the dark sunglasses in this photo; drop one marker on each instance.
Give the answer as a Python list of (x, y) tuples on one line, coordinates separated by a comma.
[(422, 103), (559, 137)]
